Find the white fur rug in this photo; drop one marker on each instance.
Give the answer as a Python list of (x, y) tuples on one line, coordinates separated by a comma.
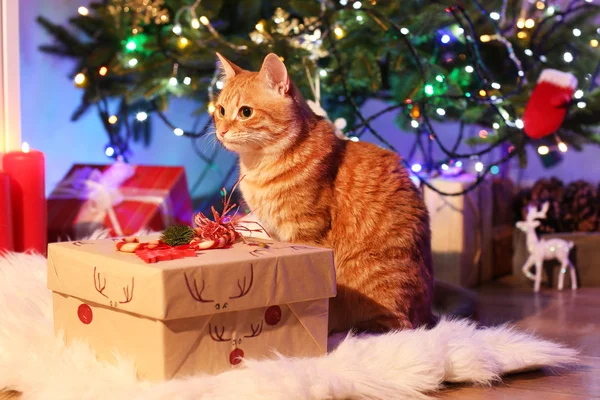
[(408, 364)]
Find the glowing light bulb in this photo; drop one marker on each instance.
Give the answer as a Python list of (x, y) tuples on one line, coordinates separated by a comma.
[(576, 32), (578, 94), (445, 38), (187, 80), (195, 23), (354, 139), (359, 18), (562, 146), (339, 32), (219, 85), (594, 42), (496, 125), (494, 170), (482, 93), (543, 58), (496, 85), (568, 57), (177, 29), (483, 134), (581, 104), (543, 150), (103, 71), (25, 147), (521, 73), (469, 69), (109, 151), (323, 73), (141, 116), (485, 38), (404, 31), (495, 16), (357, 5), (458, 164), (478, 166), (343, 2), (113, 119), (528, 52), (519, 123), (521, 23), (522, 35), (133, 62), (550, 10), (416, 167), (530, 23), (178, 132), (204, 21), (414, 123), (260, 27), (540, 5), (173, 81), (441, 111), (79, 79), (131, 45), (83, 11), (445, 167), (183, 42), (211, 107), (428, 90)]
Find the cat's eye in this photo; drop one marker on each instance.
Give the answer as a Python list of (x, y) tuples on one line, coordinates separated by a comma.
[(246, 112), (222, 111)]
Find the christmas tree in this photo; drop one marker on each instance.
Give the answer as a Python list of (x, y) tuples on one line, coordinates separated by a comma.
[(431, 61)]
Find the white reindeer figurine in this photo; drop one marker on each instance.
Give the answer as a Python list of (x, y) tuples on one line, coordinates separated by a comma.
[(540, 250)]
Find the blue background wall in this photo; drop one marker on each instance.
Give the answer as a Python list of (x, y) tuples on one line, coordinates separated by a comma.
[(49, 97)]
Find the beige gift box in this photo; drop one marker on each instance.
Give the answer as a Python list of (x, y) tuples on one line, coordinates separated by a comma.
[(200, 314)]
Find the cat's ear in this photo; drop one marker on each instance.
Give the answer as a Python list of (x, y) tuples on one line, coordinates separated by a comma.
[(274, 73), (228, 68)]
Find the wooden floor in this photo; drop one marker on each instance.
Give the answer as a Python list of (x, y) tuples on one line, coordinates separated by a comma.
[(570, 317)]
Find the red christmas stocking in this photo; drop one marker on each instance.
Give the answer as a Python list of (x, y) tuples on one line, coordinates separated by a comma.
[(547, 106)]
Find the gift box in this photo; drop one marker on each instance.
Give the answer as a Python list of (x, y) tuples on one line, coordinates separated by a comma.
[(122, 198), (197, 314), (461, 230)]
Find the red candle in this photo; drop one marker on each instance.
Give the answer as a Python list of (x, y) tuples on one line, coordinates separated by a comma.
[(6, 225), (28, 199)]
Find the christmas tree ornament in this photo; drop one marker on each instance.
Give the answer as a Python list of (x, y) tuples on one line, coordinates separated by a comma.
[(548, 104), (541, 250)]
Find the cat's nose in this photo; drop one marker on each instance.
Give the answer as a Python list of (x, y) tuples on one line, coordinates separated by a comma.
[(222, 133)]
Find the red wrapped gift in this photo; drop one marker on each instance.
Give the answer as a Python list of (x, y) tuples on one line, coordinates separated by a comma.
[(122, 198)]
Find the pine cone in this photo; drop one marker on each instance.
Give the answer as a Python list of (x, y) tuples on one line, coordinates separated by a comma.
[(580, 205), (551, 191)]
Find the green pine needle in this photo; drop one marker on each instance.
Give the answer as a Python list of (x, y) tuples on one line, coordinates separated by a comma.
[(177, 235)]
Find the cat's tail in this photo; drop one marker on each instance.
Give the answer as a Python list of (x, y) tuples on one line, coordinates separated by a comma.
[(416, 363)]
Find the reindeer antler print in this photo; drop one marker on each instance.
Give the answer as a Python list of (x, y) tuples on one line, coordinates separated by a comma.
[(128, 295), (99, 289), (243, 289), (255, 331), (216, 336), (195, 293)]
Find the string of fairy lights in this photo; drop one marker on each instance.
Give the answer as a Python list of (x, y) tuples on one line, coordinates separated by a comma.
[(312, 34)]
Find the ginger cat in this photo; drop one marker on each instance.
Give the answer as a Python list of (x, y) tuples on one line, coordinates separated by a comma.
[(307, 186)]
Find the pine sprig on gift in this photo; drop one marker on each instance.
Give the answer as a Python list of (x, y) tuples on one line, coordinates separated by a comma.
[(178, 235)]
